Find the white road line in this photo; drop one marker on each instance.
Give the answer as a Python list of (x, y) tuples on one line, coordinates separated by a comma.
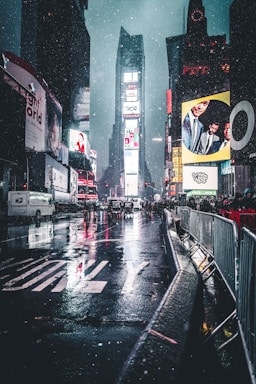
[(9, 285), (13, 265), (49, 281), (96, 270), (93, 287), (128, 285), (62, 284)]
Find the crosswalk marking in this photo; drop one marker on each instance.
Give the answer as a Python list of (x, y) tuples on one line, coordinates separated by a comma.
[(56, 270), (92, 287), (96, 270), (49, 281), (9, 286)]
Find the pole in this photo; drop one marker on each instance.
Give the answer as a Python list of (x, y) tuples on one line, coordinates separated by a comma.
[(27, 174)]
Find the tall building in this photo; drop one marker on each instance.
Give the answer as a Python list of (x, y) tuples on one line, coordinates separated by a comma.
[(45, 54), (242, 92), (55, 40), (198, 68), (127, 170)]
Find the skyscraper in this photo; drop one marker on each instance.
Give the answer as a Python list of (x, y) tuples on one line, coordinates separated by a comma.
[(55, 40), (127, 168), (198, 67)]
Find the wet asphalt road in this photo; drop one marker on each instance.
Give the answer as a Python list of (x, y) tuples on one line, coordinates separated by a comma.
[(75, 298)]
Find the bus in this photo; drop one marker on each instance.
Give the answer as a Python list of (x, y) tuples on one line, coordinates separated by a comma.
[(87, 189)]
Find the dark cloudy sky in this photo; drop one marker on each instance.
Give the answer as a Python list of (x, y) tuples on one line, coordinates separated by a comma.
[(155, 20)]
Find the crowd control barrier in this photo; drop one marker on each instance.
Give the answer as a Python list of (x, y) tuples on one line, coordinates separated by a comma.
[(232, 247)]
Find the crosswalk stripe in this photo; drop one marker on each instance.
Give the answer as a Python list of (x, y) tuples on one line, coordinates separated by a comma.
[(49, 281)]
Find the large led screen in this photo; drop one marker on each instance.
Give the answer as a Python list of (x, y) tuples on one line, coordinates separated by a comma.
[(131, 161), (200, 178), (131, 185), (27, 76), (131, 109), (131, 134), (78, 142), (205, 129)]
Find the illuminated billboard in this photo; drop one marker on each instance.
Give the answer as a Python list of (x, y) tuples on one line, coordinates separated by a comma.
[(131, 166), (26, 75), (131, 109), (131, 185), (200, 178), (131, 134), (54, 131), (131, 77), (205, 129), (78, 142), (131, 161), (131, 92)]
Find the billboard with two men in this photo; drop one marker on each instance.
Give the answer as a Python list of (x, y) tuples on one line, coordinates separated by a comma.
[(205, 129)]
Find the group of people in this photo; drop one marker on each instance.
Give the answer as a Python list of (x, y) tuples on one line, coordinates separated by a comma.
[(238, 202), (199, 141)]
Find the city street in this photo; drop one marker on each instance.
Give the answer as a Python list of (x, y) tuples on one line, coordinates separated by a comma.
[(75, 297)]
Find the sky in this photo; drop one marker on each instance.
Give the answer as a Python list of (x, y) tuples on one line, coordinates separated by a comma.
[(155, 20)]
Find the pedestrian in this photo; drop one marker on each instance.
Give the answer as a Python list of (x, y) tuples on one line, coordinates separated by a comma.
[(237, 202), (247, 201)]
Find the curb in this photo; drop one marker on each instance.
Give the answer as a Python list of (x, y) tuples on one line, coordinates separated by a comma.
[(160, 355)]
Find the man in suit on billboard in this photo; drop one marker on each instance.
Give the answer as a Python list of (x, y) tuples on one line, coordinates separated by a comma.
[(192, 127), (209, 141)]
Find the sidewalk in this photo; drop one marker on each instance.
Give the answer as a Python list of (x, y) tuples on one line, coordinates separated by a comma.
[(162, 353)]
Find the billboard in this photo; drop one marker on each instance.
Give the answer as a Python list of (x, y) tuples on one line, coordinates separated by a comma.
[(131, 109), (78, 142), (26, 75), (82, 104), (131, 134), (54, 127), (200, 177), (131, 77), (131, 185), (205, 129), (131, 93), (131, 161)]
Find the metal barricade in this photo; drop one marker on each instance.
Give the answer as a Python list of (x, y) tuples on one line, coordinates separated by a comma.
[(233, 247), (246, 300), (225, 250)]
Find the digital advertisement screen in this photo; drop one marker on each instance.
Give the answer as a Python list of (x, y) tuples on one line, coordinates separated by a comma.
[(131, 134), (77, 141), (131, 185), (200, 177), (205, 129), (131, 161)]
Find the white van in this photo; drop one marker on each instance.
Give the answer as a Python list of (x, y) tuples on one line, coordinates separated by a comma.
[(137, 204), (30, 204)]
